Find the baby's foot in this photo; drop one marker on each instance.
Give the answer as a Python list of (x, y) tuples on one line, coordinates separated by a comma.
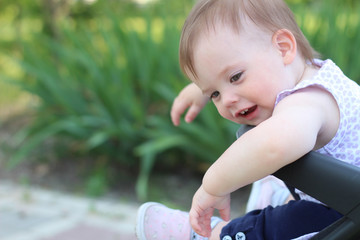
[(156, 221)]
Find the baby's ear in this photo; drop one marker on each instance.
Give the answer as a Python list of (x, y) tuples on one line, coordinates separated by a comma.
[(285, 42)]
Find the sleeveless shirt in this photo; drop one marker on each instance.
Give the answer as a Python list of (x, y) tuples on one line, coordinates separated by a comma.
[(345, 145)]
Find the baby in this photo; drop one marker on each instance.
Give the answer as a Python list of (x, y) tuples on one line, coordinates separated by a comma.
[(250, 58)]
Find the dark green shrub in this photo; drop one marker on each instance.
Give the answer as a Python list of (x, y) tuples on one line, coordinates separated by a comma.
[(106, 84), (106, 89)]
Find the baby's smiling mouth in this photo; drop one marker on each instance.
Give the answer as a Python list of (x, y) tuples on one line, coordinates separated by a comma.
[(247, 111)]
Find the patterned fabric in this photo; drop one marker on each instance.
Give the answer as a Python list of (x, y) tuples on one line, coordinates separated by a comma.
[(158, 222), (345, 146)]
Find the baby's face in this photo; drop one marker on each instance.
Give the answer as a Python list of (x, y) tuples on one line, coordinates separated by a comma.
[(241, 72)]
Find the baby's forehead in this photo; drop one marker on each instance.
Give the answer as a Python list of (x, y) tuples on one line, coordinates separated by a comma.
[(212, 35), (248, 29)]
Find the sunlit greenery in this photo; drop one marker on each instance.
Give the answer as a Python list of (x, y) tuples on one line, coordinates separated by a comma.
[(100, 77)]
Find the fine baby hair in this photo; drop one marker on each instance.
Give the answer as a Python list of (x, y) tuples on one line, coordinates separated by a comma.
[(270, 15)]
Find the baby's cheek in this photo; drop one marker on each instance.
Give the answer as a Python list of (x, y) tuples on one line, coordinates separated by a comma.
[(226, 115)]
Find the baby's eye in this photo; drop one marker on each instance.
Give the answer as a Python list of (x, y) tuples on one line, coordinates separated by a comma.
[(236, 77), (214, 94)]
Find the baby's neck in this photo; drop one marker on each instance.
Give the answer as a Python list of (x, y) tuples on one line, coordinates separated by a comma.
[(307, 72)]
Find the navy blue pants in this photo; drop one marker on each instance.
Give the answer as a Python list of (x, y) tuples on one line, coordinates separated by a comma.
[(285, 222)]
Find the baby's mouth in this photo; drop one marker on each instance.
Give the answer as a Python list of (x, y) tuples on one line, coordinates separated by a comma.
[(247, 111)]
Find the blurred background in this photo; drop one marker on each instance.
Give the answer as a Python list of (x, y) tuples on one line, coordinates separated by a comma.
[(86, 87)]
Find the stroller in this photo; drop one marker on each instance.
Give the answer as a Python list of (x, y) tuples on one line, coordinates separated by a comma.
[(324, 178)]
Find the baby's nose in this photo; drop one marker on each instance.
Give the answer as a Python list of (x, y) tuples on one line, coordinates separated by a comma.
[(229, 99)]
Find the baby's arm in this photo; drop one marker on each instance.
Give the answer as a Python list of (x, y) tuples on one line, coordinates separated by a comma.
[(190, 97), (301, 122)]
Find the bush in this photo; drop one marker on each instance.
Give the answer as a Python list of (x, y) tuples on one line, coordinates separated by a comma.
[(105, 86), (333, 30)]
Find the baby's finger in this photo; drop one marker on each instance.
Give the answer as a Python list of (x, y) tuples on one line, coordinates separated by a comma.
[(194, 222), (225, 214), (177, 109), (192, 113), (205, 223), (206, 229)]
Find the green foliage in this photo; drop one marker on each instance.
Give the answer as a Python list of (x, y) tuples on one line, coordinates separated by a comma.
[(97, 183), (205, 139), (105, 89), (333, 30), (105, 83)]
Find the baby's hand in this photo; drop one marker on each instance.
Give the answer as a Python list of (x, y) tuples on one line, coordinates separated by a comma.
[(190, 97), (202, 210)]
